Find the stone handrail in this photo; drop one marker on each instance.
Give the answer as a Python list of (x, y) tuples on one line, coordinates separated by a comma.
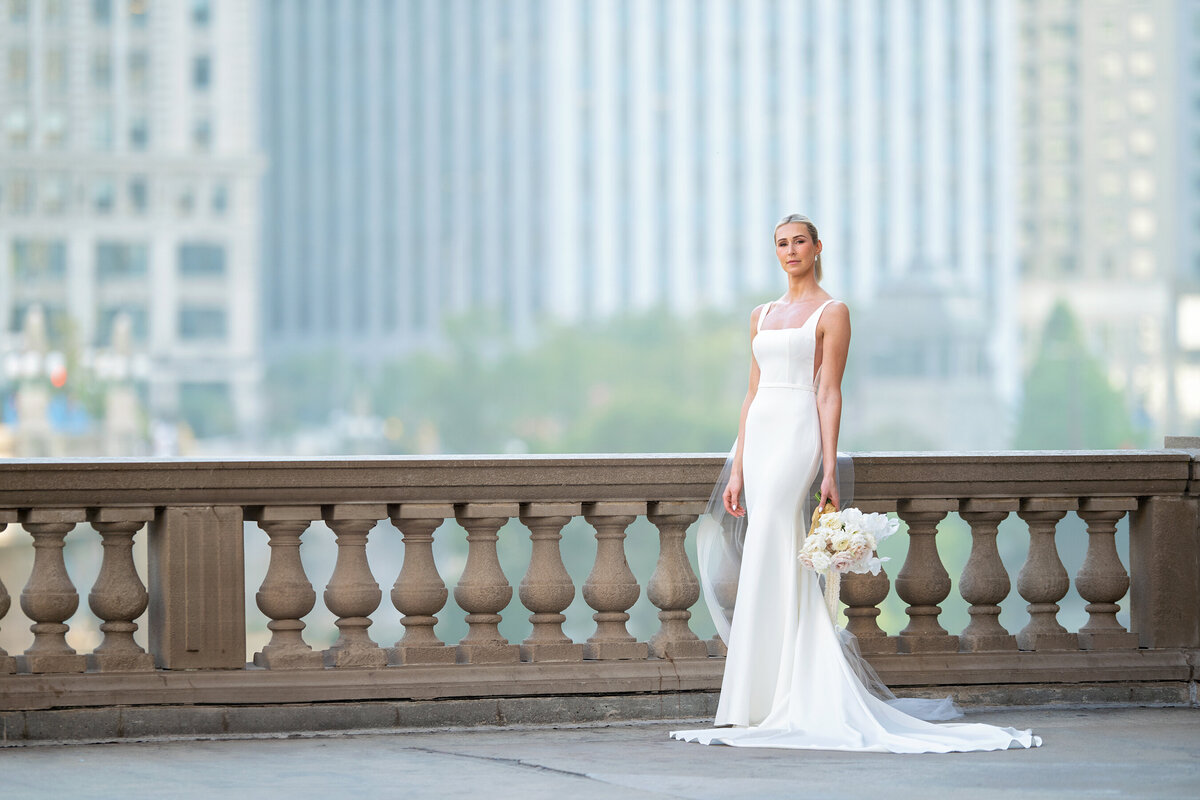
[(193, 600)]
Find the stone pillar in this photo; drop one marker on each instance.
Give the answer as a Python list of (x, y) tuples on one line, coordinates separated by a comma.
[(673, 587), (8, 664), (483, 591), (985, 582), (419, 592), (197, 588), (1164, 558), (286, 595), (547, 588), (352, 593), (1102, 580), (611, 588), (1043, 580), (49, 598), (862, 594), (923, 582), (119, 596)]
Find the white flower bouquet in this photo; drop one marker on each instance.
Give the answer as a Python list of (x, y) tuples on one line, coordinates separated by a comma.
[(844, 541)]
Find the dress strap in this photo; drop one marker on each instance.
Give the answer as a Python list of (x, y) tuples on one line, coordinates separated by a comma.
[(816, 315), (762, 314)]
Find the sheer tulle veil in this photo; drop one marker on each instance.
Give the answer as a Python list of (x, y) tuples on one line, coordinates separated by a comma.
[(719, 540)]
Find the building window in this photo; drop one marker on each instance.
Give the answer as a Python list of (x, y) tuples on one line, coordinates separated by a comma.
[(139, 131), (1141, 141), (56, 70), (139, 195), (102, 129), (37, 260), (104, 195), (201, 13), (185, 200), (139, 13), (116, 261), (20, 194), (139, 70), (55, 13), (18, 11), (17, 69), (202, 323), (220, 199), (202, 133), (54, 194), (16, 128), (198, 259), (102, 69), (102, 12), (201, 73)]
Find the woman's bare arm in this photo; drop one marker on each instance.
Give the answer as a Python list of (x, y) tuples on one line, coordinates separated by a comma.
[(733, 490), (834, 330)]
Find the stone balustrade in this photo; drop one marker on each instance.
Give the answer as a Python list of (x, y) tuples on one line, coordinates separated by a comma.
[(193, 513)]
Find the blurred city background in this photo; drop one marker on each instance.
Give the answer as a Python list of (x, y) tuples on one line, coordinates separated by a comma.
[(320, 227)]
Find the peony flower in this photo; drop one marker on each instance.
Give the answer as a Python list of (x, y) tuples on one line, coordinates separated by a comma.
[(820, 561)]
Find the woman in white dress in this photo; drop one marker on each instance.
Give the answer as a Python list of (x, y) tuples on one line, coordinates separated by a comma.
[(791, 679)]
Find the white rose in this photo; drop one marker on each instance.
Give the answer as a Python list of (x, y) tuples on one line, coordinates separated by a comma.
[(820, 561), (840, 540)]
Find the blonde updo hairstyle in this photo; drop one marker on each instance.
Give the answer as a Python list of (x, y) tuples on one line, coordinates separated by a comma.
[(812, 231)]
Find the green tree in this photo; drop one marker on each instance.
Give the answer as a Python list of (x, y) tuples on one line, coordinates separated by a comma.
[(1069, 403)]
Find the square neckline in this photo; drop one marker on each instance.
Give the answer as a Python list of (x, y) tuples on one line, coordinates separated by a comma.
[(815, 312)]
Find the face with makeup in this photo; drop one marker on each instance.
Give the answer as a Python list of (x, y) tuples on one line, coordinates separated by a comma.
[(797, 248)]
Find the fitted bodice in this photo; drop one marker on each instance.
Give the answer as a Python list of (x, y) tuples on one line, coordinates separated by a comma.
[(786, 356)]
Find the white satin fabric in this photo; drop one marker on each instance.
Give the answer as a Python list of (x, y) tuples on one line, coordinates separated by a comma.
[(788, 683)]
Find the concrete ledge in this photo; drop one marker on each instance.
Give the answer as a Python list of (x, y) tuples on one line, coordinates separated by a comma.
[(139, 723), (260, 687)]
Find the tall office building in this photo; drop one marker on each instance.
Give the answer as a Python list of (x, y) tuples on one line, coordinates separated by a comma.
[(1108, 211), (129, 181), (682, 131), (579, 158), (1183, 349), (408, 168)]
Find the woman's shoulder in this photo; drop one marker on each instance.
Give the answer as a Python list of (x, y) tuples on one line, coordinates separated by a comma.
[(836, 312)]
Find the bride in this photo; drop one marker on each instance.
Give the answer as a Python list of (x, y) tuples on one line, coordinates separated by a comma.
[(791, 678)]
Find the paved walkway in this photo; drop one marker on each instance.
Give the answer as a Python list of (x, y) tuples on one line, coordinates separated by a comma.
[(1134, 752)]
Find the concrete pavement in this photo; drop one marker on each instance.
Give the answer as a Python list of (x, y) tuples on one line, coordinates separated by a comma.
[(1088, 753)]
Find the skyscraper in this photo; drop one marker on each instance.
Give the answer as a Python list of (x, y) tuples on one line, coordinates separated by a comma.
[(129, 180), (1108, 192), (579, 158)]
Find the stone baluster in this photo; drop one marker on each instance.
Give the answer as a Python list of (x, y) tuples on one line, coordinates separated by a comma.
[(8, 664), (1102, 580), (286, 595), (923, 582), (1043, 580), (49, 598), (483, 591), (862, 594), (353, 593), (673, 587), (419, 592), (725, 587), (984, 582), (119, 597), (611, 588), (547, 588)]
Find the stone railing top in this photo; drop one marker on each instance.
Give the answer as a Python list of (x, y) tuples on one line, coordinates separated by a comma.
[(101, 482)]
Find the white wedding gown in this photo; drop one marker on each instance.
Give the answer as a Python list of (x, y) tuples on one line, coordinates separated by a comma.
[(787, 681)]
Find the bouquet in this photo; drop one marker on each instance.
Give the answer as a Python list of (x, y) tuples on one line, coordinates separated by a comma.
[(844, 541)]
